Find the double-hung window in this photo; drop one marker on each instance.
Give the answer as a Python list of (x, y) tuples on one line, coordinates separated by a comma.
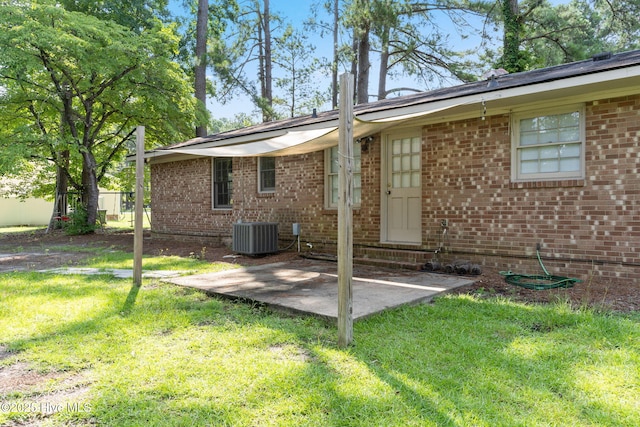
[(332, 167), (267, 174), (549, 145), (222, 182)]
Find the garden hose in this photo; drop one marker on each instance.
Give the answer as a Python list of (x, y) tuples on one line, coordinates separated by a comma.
[(539, 282)]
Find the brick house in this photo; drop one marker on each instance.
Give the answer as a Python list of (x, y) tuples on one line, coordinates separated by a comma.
[(487, 171)]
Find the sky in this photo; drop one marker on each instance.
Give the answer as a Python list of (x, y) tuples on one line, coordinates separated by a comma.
[(296, 12)]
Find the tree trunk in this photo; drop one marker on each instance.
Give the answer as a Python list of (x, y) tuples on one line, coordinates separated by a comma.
[(354, 63), (293, 91), (511, 38), (261, 64), (60, 205), (90, 192), (384, 65), (201, 60), (363, 65), (62, 188), (267, 53), (266, 65)]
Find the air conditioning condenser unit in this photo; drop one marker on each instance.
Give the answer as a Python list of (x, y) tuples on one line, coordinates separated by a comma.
[(255, 238)]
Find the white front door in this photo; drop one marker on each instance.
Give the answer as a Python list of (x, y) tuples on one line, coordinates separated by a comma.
[(402, 192)]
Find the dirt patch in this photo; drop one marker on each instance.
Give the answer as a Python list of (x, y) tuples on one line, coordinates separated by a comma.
[(22, 378), (34, 396), (4, 353), (38, 250), (26, 261), (602, 294)]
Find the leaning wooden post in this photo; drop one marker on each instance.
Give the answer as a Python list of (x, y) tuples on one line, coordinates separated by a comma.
[(139, 208), (345, 213)]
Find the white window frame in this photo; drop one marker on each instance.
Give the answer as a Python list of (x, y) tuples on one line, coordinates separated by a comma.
[(330, 175), (516, 147), (213, 185), (261, 187)]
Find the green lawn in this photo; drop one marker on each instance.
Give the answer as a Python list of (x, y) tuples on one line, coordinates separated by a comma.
[(170, 356)]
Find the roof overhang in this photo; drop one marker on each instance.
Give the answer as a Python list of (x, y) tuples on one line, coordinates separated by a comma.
[(374, 119), (299, 140), (590, 87)]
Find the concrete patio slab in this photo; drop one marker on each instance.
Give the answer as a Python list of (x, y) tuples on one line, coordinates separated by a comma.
[(311, 286)]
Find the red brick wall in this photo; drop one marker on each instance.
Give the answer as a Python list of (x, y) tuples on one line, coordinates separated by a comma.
[(181, 200), (584, 226), (589, 226)]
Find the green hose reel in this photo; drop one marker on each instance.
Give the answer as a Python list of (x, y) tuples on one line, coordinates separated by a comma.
[(539, 282)]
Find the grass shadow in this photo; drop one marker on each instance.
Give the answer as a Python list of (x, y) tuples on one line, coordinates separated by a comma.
[(494, 362), (174, 356), (130, 302)]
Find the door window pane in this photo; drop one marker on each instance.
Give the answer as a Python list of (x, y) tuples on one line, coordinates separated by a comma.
[(405, 162)]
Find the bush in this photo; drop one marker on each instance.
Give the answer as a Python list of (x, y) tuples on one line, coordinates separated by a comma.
[(77, 223)]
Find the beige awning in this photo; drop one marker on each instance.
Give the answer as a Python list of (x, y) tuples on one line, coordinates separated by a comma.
[(301, 140), (291, 142)]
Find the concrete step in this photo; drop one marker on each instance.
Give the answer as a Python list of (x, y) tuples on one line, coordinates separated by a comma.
[(387, 263), (393, 254), (410, 259)]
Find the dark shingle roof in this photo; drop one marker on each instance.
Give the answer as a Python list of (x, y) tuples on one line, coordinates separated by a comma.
[(599, 63)]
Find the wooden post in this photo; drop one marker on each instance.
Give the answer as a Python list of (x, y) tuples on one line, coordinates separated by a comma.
[(345, 212), (139, 208)]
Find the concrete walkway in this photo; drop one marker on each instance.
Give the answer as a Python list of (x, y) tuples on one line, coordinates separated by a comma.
[(115, 272), (311, 286)]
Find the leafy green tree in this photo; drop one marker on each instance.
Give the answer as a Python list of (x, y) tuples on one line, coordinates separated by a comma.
[(200, 33), (359, 18), (316, 22), (583, 28), (224, 124), (75, 87), (136, 15), (537, 34), (414, 40)]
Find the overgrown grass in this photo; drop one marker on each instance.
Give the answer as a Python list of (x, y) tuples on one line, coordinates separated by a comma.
[(177, 357)]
